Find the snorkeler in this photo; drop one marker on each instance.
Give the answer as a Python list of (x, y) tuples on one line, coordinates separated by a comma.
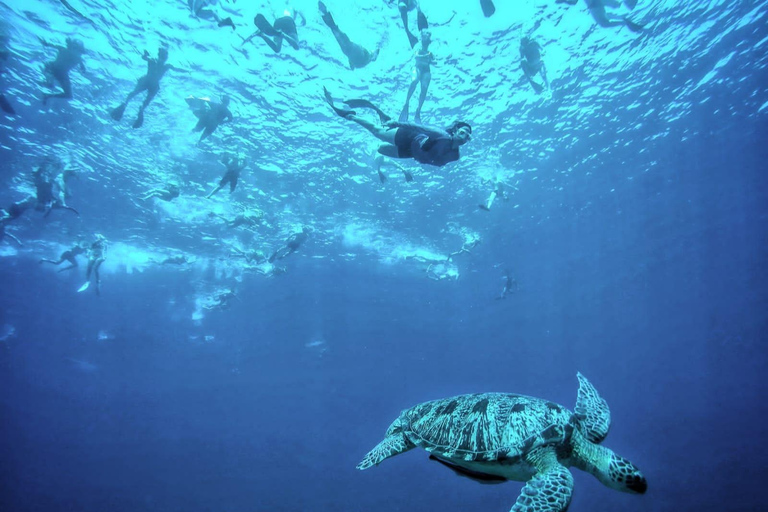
[(69, 255), (510, 286), (357, 56), (291, 245), (150, 82), (422, 73), (66, 58), (221, 300), (253, 256), (169, 193), (427, 145), (602, 18), (498, 191), (531, 63), (284, 28), (235, 166), (50, 193), (97, 253), (202, 9), (175, 260), (209, 115), (469, 244), (249, 218)]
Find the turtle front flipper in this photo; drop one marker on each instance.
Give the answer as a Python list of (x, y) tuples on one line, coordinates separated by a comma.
[(592, 411), (392, 445), (550, 489)]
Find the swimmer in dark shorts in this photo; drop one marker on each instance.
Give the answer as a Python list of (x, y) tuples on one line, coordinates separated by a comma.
[(234, 165), (427, 145), (67, 58), (283, 28)]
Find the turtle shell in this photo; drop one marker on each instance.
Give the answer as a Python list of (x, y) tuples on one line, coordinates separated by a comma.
[(486, 426)]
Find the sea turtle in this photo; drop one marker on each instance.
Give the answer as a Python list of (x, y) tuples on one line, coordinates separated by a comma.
[(494, 437)]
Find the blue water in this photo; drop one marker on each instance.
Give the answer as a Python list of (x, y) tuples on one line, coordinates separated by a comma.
[(636, 227)]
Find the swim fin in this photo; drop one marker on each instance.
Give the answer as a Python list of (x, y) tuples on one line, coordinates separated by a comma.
[(634, 27), (412, 38), (339, 111), (6, 106), (84, 287), (266, 27), (421, 21), (488, 7), (139, 120), (358, 103), (227, 22), (631, 4), (117, 114), (408, 175)]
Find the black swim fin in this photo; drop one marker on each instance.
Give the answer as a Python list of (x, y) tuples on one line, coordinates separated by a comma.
[(139, 120), (266, 27), (117, 113), (421, 21), (359, 103), (488, 7), (412, 38), (339, 111), (408, 175), (6, 106), (484, 207), (227, 22)]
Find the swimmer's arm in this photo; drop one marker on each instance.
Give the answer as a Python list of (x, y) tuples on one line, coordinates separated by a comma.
[(49, 45)]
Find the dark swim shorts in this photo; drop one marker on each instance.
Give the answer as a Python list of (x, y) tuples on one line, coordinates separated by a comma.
[(403, 139)]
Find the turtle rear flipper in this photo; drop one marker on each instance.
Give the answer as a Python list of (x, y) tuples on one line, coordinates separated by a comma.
[(389, 447), (549, 490), (592, 411)]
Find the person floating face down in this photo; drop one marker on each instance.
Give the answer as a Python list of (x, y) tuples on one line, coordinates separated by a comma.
[(70, 255), (291, 245), (150, 82), (357, 56), (423, 60), (234, 165), (531, 63), (169, 193), (425, 144), (284, 28), (50, 191), (67, 58), (210, 116), (601, 16)]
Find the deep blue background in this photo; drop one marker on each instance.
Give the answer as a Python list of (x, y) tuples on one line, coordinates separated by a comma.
[(654, 291)]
